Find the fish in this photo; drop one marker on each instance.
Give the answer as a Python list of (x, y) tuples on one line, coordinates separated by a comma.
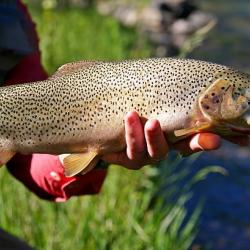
[(79, 111)]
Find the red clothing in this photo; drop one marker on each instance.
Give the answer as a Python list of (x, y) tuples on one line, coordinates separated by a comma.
[(44, 174)]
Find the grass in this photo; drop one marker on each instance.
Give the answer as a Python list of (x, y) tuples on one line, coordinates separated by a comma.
[(71, 35), (129, 213), (118, 218), (123, 216)]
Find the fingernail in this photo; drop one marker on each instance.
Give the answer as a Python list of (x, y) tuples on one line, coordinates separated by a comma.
[(195, 143), (205, 141), (131, 117)]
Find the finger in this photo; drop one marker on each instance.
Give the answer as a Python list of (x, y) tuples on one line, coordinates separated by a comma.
[(157, 146), (199, 142), (134, 135)]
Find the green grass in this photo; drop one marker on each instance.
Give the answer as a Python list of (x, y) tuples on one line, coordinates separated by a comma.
[(71, 35), (118, 218), (122, 216)]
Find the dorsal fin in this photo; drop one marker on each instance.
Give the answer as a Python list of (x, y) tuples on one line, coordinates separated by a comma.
[(69, 68)]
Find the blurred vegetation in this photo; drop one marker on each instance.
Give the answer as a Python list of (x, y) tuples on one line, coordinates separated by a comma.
[(71, 35), (82, 3), (123, 216), (130, 212), (196, 39)]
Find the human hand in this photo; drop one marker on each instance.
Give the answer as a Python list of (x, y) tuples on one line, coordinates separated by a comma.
[(147, 144)]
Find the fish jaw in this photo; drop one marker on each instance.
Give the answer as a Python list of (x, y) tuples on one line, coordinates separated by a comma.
[(239, 130), (242, 125)]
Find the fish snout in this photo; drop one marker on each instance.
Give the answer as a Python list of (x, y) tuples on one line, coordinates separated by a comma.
[(246, 117), (247, 93)]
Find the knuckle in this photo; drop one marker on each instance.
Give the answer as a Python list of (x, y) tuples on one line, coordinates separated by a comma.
[(136, 152), (136, 156), (135, 165)]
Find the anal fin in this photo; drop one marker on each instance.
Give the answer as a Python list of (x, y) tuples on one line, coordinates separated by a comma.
[(5, 156), (79, 163)]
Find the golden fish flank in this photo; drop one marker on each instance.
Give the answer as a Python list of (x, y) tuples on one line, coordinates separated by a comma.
[(80, 109)]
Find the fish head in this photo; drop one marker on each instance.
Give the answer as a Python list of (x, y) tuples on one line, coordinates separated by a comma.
[(227, 101)]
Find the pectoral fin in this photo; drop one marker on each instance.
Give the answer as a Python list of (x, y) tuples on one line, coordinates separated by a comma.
[(5, 156), (79, 163), (193, 130)]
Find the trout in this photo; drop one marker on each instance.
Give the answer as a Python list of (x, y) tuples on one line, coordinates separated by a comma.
[(80, 109)]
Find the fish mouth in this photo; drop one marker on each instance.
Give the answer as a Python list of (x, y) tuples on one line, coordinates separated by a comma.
[(243, 127), (241, 130), (246, 117)]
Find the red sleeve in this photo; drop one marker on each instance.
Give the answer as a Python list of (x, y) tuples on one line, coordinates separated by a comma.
[(41, 173), (44, 175)]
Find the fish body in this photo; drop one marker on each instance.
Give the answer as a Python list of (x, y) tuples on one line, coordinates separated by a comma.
[(81, 108)]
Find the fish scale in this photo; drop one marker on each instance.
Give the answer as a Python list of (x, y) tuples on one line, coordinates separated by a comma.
[(81, 108)]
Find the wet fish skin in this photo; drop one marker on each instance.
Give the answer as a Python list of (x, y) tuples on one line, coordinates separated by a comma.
[(81, 107)]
